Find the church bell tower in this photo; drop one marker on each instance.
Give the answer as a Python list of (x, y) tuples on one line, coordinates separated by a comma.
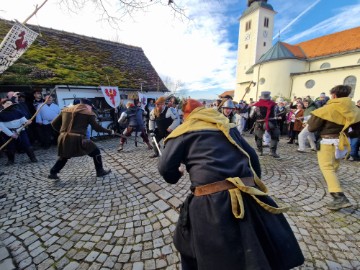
[(255, 39)]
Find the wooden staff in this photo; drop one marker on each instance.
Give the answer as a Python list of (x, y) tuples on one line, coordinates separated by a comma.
[(28, 122), (247, 89)]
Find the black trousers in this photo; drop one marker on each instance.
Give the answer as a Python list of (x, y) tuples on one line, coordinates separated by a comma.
[(61, 162)]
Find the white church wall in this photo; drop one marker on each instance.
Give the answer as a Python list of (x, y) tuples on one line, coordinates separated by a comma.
[(335, 61), (324, 81), (274, 76)]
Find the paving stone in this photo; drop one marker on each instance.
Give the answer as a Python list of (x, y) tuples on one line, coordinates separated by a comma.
[(92, 256), (41, 257), (4, 253), (47, 264), (72, 266), (7, 264), (24, 263)]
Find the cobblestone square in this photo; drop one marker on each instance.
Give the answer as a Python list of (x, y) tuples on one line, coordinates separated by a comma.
[(125, 220)]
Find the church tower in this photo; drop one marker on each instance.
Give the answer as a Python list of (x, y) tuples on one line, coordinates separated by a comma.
[(255, 39)]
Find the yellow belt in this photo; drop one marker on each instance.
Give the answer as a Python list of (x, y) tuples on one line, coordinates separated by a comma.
[(237, 203)]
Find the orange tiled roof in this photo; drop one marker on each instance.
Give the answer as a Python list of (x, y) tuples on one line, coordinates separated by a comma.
[(230, 93), (339, 42), (295, 50)]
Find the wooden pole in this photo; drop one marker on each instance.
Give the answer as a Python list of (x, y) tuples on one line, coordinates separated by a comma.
[(35, 11), (247, 89)]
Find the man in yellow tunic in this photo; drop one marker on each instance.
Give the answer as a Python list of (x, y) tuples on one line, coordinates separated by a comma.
[(333, 121)]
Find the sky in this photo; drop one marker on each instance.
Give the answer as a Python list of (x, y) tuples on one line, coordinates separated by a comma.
[(196, 54)]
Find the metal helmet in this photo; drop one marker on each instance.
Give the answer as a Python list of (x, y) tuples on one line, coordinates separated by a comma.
[(228, 104)]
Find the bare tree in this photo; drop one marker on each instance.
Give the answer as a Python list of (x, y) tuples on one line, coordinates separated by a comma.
[(124, 8), (173, 85)]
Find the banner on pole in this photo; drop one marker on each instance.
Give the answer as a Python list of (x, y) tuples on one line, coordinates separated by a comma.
[(142, 100), (111, 95), (15, 43)]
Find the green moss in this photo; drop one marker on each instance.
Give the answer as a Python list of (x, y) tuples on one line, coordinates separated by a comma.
[(61, 58)]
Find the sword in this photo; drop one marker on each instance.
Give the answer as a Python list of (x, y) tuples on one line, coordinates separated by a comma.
[(157, 145)]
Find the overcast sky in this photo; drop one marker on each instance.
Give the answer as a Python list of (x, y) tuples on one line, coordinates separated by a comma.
[(200, 51)]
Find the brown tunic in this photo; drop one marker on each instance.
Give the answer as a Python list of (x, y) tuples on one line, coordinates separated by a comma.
[(72, 124)]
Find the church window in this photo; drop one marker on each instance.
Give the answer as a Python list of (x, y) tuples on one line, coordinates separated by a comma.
[(266, 22), (310, 84), (262, 81), (325, 65), (246, 46), (351, 81), (248, 25), (264, 44)]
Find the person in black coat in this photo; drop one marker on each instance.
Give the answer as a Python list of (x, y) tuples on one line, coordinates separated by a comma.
[(228, 221)]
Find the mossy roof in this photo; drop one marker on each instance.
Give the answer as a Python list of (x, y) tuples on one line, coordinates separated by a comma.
[(58, 57)]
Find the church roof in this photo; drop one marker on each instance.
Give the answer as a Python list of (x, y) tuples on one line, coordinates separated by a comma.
[(336, 43), (344, 41), (58, 57), (256, 5), (279, 51)]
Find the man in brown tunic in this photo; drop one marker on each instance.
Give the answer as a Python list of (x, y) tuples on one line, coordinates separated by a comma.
[(72, 124)]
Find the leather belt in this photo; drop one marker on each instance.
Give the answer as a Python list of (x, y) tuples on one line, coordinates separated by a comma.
[(221, 186), (330, 136)]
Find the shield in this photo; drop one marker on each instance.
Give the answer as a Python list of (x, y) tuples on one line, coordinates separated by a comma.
[(111, 95)]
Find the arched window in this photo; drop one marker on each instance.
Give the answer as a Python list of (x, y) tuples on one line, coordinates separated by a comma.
[(262, 81), (358, 61), (310, 84), (325, 65), (351, 81)]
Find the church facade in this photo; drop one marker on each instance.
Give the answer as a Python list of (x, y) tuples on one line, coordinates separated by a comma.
[(287, 70)]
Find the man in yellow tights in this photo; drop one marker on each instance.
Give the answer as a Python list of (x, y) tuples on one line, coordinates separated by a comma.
[(333, 121)]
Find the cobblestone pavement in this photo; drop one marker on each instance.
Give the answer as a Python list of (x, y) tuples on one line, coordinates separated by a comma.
[(125, 220)]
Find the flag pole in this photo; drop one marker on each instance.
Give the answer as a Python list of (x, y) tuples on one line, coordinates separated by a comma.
[(35, 11)]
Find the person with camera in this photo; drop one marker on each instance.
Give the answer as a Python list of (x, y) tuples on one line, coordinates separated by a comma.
[(163, 120)]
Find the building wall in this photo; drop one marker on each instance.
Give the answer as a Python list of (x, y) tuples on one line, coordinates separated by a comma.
[(273, 76), (324, 81), (277, 77), (344, 60)]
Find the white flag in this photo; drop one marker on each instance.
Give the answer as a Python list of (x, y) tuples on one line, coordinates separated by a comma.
[(15, 43), (111, 95), (142, 100)]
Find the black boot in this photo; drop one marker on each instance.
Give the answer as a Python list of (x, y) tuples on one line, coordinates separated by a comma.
[(31, 154), (259, 145), (60, 163), (99, 166), (273, 154), (273, 151), (11, 158), (340, 201)]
